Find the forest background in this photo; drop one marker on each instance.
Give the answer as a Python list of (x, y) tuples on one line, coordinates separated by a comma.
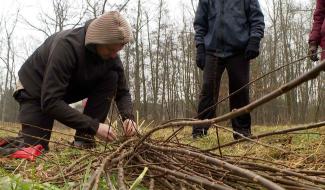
[(160, 64)]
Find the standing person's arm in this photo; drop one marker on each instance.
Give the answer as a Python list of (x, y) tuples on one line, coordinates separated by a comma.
[(201, 29), (256, 24), (315, 34), (319, 15), (201, 22), (255, 19)]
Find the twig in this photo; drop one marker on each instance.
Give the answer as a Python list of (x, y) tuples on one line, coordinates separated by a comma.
[(252, 140), (218, 138), (305, 127), (152, 184), (95, 177), (19, 166), (69, 167), (192, 178), (109, 181), (241, 172), (120, 176)]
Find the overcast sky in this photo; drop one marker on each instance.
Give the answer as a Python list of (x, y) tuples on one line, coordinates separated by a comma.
[(27, 39), (29, 10), (30, 7)]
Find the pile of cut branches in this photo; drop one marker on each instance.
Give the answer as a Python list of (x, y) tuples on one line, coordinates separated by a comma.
[(173, 165)]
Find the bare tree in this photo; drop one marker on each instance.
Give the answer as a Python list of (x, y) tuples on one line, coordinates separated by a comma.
[(96, 8), (137, 81), (160, 65), (63, 16), (8, 59)]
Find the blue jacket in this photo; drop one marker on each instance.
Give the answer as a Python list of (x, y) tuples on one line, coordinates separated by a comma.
[(225, 26)]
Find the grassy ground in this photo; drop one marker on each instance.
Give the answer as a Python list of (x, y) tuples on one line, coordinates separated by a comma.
[(304, 150)]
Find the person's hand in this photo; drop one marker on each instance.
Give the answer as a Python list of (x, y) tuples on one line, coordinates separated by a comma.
[(130, 127), (253, 48), (200, 56), (106, 133), (312, 51)]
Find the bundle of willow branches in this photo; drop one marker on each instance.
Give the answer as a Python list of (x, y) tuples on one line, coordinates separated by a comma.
[(173, 165)]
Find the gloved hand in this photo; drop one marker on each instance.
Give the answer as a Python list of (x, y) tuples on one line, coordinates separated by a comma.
[(312, 51), (200, 56), (28, 153), (253, 48), (130, 127), (105, 133)]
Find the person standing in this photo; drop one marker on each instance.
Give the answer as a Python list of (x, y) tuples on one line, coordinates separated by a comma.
[(227, 37), (317, 34)]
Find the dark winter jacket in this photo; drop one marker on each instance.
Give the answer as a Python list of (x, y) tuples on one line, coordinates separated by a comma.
[(62, 64), (317, 34), (225, 26)]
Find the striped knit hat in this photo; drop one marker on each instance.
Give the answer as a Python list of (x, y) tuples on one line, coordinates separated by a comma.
[(109, 28)]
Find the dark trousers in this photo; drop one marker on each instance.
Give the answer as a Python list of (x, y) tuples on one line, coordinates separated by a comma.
[(37, 126), (238, 73)]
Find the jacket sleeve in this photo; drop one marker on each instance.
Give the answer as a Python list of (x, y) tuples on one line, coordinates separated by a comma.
[(255, 19), (201, 22), (123, 97), (61, 63), (319, 15)]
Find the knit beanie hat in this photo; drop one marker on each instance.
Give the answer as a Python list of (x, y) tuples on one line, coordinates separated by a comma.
[(109, 28)]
